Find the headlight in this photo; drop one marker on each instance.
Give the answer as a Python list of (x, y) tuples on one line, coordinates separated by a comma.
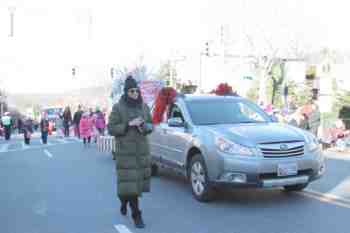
[(229, 147), (312, 143)]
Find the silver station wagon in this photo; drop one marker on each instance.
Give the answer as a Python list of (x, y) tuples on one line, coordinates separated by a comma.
[(227, 141)]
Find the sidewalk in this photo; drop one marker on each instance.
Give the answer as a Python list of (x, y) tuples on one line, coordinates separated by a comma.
[(36, 134), (20, 136), (345, 151)]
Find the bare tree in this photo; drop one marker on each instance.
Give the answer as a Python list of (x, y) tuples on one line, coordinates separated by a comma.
[(265, 56), (261, 61)]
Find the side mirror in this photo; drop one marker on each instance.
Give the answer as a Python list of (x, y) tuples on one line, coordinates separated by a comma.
[(176, 122)]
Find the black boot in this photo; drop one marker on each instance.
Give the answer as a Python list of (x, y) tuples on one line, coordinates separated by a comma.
[(137, 217), (136, 213), (123, 205)]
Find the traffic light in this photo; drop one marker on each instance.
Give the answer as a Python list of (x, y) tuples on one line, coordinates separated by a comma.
[(315, 93), (112, 72), (73, 71), (310, 73), (207, 51)]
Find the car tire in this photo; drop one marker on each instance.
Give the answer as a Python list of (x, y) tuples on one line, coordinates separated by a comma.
[(198, 177), (295, 188), (154, 170)]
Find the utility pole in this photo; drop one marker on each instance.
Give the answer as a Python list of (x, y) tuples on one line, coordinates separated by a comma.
[(12, 10), (225, 73), (90, 22), (2, 101), (222, 42), (200, 72), (206, 53), (1, 104), (74, 72), (172, 64)]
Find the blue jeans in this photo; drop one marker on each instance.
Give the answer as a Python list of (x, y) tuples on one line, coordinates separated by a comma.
[(44, 136)]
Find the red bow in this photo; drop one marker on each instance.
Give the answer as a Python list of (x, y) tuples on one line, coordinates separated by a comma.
[(165, 97), (223, 89)]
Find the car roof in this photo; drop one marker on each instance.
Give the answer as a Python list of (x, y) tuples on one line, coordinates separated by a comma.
[(206, 97), (52, 107)]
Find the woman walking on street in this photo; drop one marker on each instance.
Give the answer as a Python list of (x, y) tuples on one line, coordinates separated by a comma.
[(44, 127), (67, 119), (100, 121), (6, 122), (76, 121), (130, 122), (28, 130), (314, 119), (85, 127), (19, 124)]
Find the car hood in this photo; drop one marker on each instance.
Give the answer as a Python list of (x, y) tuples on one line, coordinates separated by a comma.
[(256, 133)]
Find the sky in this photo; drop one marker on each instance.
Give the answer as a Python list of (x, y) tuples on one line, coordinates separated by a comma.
[(51, 37)]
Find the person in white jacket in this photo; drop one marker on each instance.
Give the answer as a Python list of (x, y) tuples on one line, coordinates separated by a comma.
[(7, 124)]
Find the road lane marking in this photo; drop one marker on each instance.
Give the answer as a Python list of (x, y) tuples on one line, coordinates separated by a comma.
[(24, 146), (48, 153), (40, 208), (61, 140), (76, 139), (341, 189), (326, 197), (122, 229), (4, 147), (47, 143)]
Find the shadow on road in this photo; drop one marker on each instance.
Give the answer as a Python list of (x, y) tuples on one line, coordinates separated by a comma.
[(336, 179), (238, 196)]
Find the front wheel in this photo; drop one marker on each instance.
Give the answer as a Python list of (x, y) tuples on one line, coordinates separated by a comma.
[(296, 187), (154, 170), (201, 189)]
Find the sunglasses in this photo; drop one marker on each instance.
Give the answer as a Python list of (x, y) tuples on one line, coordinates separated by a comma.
[(133, 90)]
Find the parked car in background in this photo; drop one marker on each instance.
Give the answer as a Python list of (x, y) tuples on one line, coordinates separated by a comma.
[(226, 141)]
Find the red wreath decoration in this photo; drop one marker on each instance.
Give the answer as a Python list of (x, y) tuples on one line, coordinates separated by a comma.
[(223, 89), (165, 97)]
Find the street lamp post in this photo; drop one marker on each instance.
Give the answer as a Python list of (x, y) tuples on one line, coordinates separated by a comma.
[(2, 102), (90, 24), (200, 71), (12, 10), (173, 61)]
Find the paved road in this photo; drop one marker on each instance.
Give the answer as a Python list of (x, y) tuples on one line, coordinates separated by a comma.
[(66, 188)]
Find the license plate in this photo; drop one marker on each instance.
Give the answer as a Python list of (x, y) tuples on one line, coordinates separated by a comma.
[(287, 169)]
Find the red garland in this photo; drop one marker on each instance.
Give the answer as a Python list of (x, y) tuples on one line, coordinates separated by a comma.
[(223, 89), (165, 97)]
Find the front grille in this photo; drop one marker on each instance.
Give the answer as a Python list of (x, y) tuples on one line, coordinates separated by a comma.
[(282, 149)]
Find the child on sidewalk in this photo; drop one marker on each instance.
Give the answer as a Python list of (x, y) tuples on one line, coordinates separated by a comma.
[(85, 127)]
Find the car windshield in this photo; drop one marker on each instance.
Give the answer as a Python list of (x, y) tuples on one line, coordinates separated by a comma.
[(230, 111), (53, 111)]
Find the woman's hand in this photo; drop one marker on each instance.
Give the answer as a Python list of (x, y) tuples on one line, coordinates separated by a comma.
[(136, 122)]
